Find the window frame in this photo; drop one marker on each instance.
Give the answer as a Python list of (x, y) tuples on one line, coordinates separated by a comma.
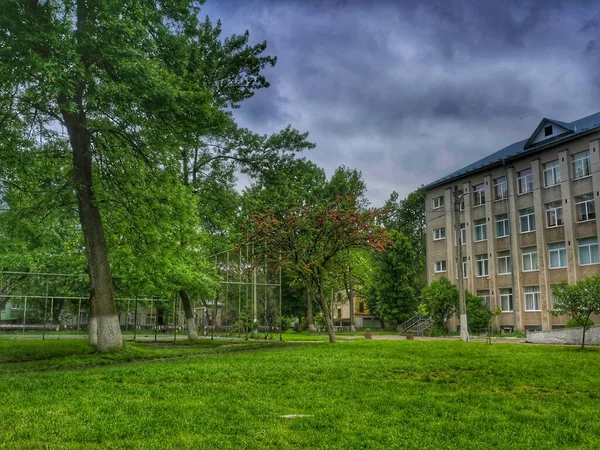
[(502, 184), (590, 211), (586, 164), (530, 220), (443, 265), (553, 247), (485, 298), (590, 246), (482, 262), (443, 233), (505, 225), (509, 296), (554, 170), (528, 177), (479, 194), (534, 296), (556, 209), (529, 254), (463, 233), (482, 225), (440, 202), (506, 256)]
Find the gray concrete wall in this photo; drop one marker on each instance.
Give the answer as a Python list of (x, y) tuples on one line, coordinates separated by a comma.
[(568, 336)]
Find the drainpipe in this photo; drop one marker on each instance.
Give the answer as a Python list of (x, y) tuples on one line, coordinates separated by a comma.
[(510, 242)]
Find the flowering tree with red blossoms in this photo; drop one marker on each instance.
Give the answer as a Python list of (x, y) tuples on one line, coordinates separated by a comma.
[(309, 239)]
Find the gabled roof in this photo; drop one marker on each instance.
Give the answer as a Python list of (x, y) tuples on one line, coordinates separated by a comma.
[(518, 149), (565, 127)]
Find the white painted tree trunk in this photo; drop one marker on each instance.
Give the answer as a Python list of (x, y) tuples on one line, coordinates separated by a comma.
[(109, 332), (93, 331)]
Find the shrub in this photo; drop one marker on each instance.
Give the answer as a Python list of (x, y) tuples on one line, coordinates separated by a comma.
[(572, 323)]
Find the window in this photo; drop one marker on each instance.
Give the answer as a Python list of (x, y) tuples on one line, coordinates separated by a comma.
[(548, 131), (481, 265), (585, 207), (440, 266), (588, 251), (478, 194), (462, 199), (551, 173), (554, 216), (504, 267), (530, 259), (438, 202), (527, 219), (485, 297), (581, 164), (361, 307), (463, 234), (558, 255), (439, 234), (524, 181), (464, 267), (501, 225), (532, 298), (500, 188), (506, 300), (150, 319), (480, 229)]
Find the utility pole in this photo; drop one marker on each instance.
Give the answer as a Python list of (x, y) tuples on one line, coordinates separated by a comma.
[(462, 307)]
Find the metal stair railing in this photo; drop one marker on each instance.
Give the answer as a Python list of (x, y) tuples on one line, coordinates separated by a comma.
[(410, 323)]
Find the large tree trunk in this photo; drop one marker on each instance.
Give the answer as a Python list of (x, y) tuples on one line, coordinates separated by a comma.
[(327, 313), (310, 321), (103, 306), (189, 315)]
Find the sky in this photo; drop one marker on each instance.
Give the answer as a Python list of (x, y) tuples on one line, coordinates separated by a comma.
[(409, 91)]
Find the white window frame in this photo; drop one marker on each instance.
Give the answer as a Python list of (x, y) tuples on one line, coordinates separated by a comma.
[(559, 250), (485, 298), (530, 220), (500, 187), (506, 299), (552, 173), (480, 228), (438, 202), (554, 214), (463, 234), (505, 256), (591, 243), (482, 267), (504, 225), (531, 294), (439, 234), (479, 194), (439, 266), (465, 268), (524, 181), (530, 254), (582, 165), (586, 204)]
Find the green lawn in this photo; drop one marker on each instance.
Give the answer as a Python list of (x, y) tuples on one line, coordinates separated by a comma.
[(355, 394)]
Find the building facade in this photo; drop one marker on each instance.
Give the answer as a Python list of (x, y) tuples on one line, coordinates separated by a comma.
[(527, 220)]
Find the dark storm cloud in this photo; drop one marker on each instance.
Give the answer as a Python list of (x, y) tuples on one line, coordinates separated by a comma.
[(409, 91)]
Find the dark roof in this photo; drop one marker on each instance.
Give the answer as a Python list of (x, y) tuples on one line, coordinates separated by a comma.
[(518, 149)]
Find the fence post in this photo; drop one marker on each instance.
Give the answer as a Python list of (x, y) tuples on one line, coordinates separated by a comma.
[(45, 313), (135, 320), (24, 314)]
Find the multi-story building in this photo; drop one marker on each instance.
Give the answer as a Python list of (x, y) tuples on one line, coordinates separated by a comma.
[(527, 220)]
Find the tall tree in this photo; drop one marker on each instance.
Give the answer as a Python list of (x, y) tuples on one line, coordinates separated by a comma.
[(393, 295), (309, 239), (122, 79)]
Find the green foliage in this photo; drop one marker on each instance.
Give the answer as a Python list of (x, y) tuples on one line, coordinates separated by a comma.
[(393, 296), (579, 300), (441, 301), (479, 316), (573, 323)]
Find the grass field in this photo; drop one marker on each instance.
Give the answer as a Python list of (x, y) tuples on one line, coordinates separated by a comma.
[(355, 394)]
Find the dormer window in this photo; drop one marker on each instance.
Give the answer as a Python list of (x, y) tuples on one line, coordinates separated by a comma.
[(548, 131)]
